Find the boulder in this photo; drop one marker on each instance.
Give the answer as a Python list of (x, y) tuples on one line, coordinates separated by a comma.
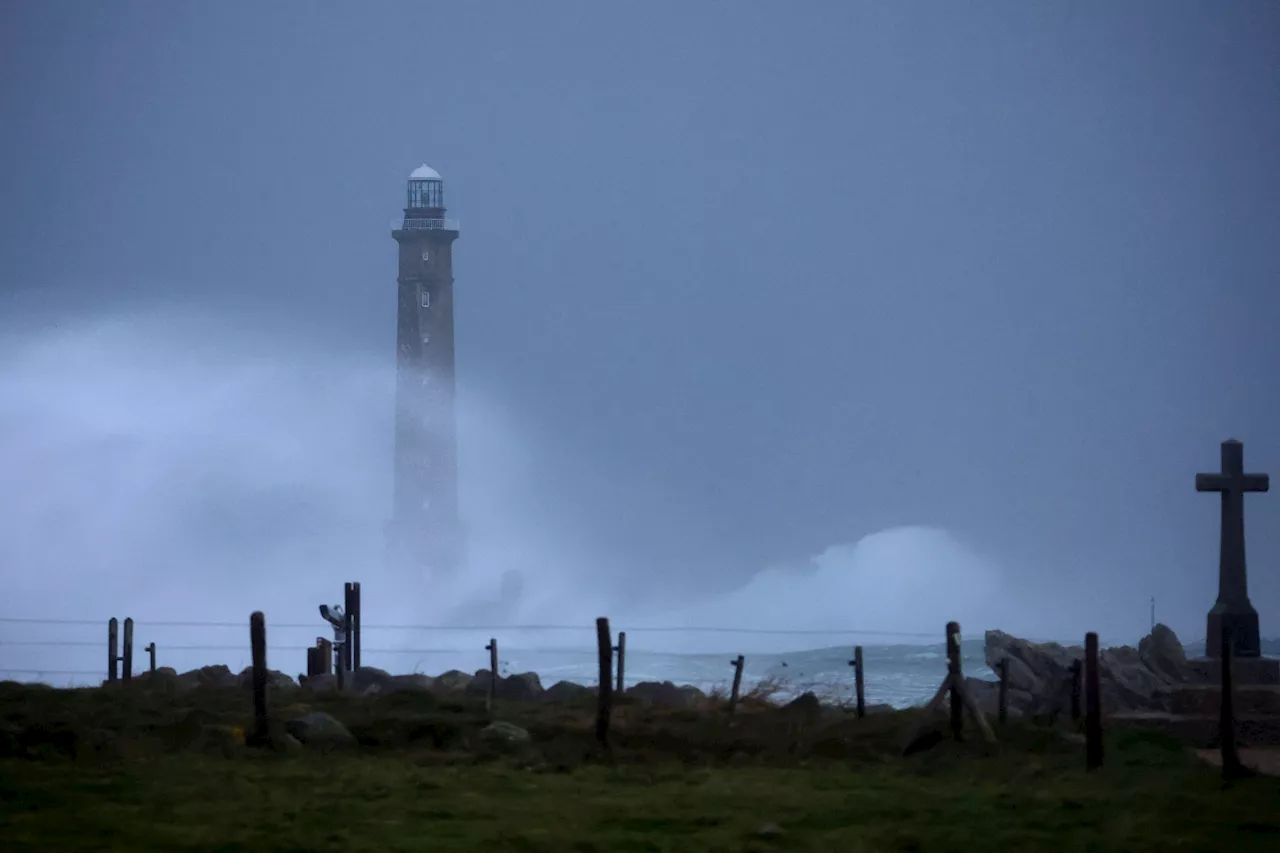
[(504, 733), (1040, 676), (275, 680), (1163, 654), (524, 687), (567, 691), (207, 676), (666, 694), (453, 681), (412, 683), (323, 683), (318, 729), (368, 680)]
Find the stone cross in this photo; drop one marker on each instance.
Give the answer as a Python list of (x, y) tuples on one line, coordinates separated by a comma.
[(1233, 608)]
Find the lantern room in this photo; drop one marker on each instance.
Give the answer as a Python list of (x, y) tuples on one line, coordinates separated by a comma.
[(426, 191)]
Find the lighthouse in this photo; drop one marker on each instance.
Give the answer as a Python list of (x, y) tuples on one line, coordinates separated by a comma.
[(426, 529)]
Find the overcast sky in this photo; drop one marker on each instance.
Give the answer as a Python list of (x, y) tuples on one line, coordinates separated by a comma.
[(739, 285)]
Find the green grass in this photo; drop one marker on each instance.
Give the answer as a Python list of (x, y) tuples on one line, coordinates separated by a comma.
[(138, 771)]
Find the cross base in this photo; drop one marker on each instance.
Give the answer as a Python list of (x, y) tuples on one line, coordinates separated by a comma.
[(1242, 620)]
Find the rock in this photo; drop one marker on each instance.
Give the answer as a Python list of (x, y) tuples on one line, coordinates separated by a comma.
[(207, 676), (567, 691), (880, 708), (807, 702), (770, 830), (1040, 677), (666, 694), (504, 733), (369, 680), (522, 687), (1163, 654), (323, 683), (275, 680), (453, 681), (320, 730), (413, 683)]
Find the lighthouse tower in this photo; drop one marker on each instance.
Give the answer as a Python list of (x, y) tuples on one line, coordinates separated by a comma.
[(425, 531)]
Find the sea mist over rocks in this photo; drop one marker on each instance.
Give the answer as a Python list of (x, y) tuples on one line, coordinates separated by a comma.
[(173, 465)]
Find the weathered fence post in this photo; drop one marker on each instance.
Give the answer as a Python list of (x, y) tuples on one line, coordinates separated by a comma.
[(325, 657), (953, 672), (113, 649), (604, 695), (150, 649), (1076, 678), (348, 620), (1002, 670), (859, 689), (490, 696), (1092, 704), (736, 663), (355, 626), (258, 644), (621, 649), (1232, 768), (127, 657)]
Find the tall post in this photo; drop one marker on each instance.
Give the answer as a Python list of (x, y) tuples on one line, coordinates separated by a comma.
[(736, 663), (1002, 670), (127, 658), (604, 695), (258, 646), (1092, 704), (493, 675), (954, 676), (1231, 766), (621, 649), (1075, 690), (151, 650), (113, 649), (348, 618), (355, 626), (859, 688)]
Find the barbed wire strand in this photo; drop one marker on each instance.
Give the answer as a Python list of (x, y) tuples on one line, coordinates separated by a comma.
[(665, 629)]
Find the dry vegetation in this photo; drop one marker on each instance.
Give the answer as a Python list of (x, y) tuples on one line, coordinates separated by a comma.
[(129, 769)]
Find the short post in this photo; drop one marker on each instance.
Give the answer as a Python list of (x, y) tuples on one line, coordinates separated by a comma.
[(1092, 704), (127, 658), (355, 626), (113, 649), (859, 690), (151, 650), (604, 695), (489, 698), (1076, 677), (621, 649), (258, 645), (311, 660), (325, 656), (1231, 765), (1002, 670), (953, 673), (736, 663)]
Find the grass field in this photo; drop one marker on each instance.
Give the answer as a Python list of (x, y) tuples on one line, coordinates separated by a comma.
[(138, 771)]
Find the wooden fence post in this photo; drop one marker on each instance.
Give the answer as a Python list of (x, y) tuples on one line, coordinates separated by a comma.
[(348, 620), (859, 689), (127, 658), (604, 695), (355, 626), (953, 673), (736, 663), (621, 649), (1232, 768), (1092, 703), (258, 645), (489, 697), (1002, 670), (1076, 678), (113, 649), (151, 651), (325, 657)]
